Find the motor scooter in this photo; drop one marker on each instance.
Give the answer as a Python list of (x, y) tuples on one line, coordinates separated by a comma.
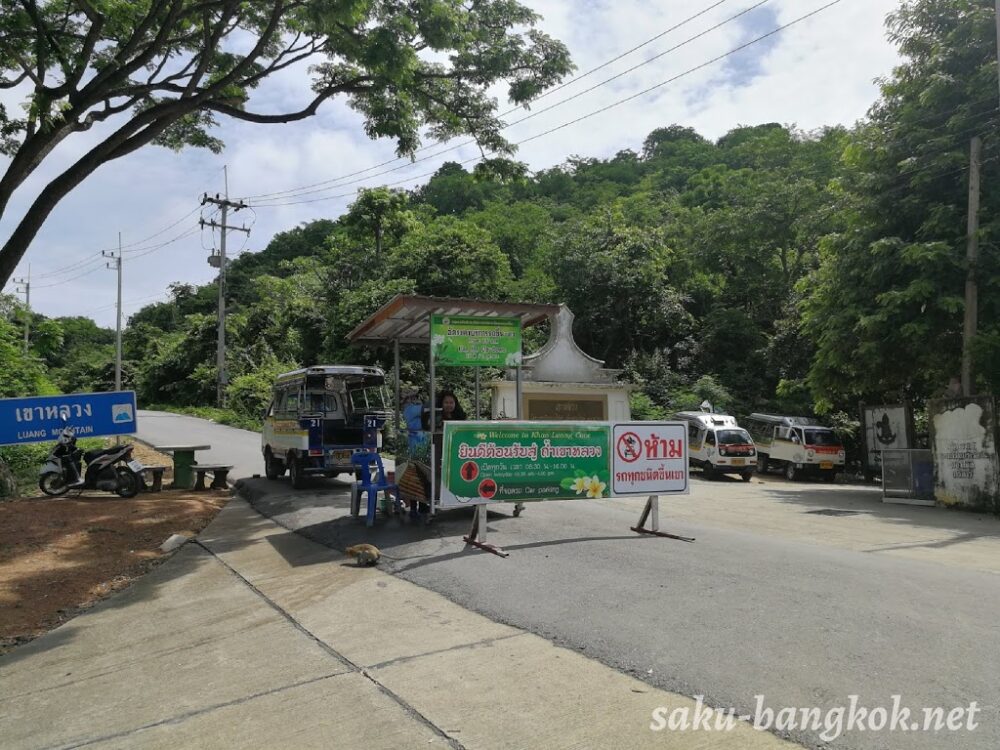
[(110, 470)]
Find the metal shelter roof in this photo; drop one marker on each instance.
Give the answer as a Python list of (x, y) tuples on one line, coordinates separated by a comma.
[(406, 317)]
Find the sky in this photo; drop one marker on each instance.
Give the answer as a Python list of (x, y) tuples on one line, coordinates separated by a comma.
[(818, 72)]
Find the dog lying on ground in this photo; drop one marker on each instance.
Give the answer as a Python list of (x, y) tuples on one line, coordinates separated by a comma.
[(366, 554)]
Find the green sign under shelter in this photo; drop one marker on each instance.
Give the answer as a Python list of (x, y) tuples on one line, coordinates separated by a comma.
[(476, 341)]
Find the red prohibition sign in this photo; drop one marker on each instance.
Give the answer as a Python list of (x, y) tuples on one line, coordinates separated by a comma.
[(470, 470), (487, 488), (629, 447)]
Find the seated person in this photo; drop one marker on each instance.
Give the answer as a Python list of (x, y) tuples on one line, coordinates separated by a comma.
[(449, 408)]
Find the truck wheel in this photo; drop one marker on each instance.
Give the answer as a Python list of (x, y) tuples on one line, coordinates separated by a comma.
[(295, 473), (830, 478), (273, 467), (747, 476), (791, 473), (761, 464), (707, 471)]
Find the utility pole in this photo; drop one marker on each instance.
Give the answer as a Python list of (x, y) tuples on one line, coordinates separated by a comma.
[(971, 257), (25, 289), (225, 204), (996, 19), (117, 265)]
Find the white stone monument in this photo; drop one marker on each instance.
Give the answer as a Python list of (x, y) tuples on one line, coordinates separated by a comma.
[(561, 382)]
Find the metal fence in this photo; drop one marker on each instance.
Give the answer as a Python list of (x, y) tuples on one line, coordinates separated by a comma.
[(907, 476)]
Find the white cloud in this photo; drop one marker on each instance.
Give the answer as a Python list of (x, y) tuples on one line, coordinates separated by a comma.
[(817, 73)]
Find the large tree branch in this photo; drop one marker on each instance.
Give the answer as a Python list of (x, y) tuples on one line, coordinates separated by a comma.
[(302, 114), (42, 29), (125, 140), (264, 39), (83, 60), (9, 84), (120, 69), (26, 68), (212, 37)]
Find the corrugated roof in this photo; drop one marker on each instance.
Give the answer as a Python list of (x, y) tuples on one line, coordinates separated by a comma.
[(407, 317)]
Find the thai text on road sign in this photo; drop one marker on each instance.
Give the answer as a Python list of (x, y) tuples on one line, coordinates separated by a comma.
[(38, 419), (476, 340), (649, 458), (494, 462)]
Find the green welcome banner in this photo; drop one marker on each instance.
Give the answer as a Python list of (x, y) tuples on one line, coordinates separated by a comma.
[(510, 462), (469, 340)]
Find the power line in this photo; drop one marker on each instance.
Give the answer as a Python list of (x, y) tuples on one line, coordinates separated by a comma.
[(595, 112), (304, 189), (98, 267), (97, 255), (145, 251), (301, 192)]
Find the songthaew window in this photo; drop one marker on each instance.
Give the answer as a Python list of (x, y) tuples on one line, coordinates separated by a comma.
[(822, 437), (372, 398), (733, 437), (322, 403)]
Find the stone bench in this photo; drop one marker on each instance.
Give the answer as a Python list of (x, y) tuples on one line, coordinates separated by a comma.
[(220, 475), (157, 477)]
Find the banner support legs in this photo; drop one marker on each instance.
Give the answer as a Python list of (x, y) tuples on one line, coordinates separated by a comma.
[(653, 509), (477, 534)]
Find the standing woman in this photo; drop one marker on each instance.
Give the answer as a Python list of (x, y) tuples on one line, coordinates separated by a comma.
[(449, 410)]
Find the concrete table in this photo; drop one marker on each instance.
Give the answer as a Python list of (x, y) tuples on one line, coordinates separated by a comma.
[(183, 460)]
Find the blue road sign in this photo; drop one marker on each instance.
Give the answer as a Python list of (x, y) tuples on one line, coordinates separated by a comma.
[(39, 419)]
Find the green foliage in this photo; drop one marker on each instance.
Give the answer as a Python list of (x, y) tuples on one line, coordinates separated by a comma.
[(249, 394), (452, 257), (706, 388), (616, 278), (410, 68), (772, 269), (22, 375), (885, 306), (642, 407)]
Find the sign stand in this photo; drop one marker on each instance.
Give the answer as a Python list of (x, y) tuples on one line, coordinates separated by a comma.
[(477, 534), (653, 509)]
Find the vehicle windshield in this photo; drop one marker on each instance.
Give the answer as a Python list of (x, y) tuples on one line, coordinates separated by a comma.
[(370, 398), (822, 437), (325, 403), (733, 437)]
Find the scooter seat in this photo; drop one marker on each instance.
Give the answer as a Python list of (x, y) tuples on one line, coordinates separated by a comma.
[(91, 456)]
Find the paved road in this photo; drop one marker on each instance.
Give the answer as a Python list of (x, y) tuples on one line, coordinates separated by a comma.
[(734, 615), (241, 448)]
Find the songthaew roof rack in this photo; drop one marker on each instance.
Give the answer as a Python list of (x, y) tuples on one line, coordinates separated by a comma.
[(784, 421)]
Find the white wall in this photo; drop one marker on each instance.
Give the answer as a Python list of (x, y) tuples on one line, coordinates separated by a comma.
[(963, 441)]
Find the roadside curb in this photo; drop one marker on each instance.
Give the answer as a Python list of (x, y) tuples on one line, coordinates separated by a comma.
[(452, 666)]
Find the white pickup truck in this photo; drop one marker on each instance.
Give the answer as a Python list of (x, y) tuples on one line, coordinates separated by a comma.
[(796, 445)]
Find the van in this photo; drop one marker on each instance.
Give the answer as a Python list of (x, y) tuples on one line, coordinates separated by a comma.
[(796, 445), (718, 445), (321, 416)]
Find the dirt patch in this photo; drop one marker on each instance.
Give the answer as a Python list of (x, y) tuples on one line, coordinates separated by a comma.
[(60, 556)]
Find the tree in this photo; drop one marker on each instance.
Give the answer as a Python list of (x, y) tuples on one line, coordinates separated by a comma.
[(522, 230), (616, 278), (162, 71), (885, 308), (452, 258), (376, 211), (22, 376)]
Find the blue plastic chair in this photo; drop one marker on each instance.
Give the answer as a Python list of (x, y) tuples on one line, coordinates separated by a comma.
[(371, 484)]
